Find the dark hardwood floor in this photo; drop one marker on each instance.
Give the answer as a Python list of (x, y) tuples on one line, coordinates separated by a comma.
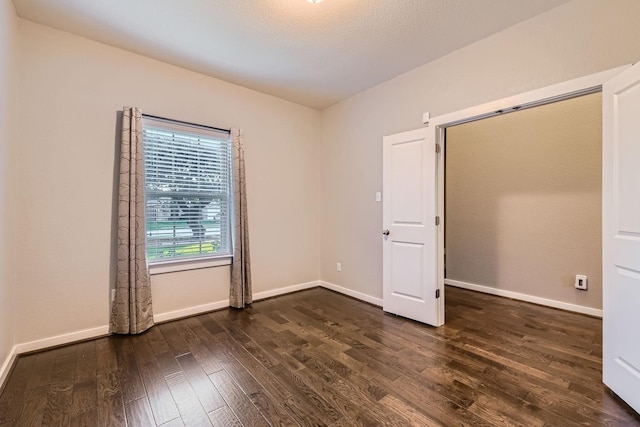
[(319, 358)]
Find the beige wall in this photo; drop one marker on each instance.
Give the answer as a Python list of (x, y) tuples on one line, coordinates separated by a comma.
[(524, 201), (576, 39), (71, 90), (8, 56)]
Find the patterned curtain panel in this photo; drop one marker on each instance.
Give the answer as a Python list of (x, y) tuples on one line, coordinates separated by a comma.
[(131, 312), (240, 294)]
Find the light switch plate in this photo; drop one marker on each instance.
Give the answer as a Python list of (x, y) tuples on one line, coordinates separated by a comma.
[(378, 196)]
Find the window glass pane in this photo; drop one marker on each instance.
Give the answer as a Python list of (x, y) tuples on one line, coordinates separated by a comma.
[(187, 191)]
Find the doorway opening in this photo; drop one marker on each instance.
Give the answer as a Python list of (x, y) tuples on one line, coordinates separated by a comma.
[(437, 135), (523, 203)]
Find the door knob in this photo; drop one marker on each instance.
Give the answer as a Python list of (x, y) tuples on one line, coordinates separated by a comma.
[(385, 232)]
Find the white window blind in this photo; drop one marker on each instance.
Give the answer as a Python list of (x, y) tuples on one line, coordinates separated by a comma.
[(187, 172)]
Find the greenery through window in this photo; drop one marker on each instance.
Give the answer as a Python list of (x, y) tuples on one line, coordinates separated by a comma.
[(187, 172)]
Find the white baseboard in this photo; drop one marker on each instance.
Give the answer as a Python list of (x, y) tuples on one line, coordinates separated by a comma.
[(285, 290), (524, 297), (62, 339), (47, 343), (351, 293), (190, 311), (217, 305), (6, 366)]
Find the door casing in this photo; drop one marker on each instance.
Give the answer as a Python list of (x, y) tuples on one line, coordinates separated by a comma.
[(437, 125)]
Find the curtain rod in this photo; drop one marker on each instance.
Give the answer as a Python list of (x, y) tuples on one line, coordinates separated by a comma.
[(186, 123)]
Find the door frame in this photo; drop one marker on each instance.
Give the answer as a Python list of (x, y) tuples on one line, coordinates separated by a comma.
[(437, 125)]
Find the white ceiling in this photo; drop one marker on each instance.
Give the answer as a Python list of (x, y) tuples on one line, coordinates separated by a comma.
[(312, 54)]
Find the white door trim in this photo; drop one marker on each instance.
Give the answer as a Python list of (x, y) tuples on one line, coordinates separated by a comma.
[(568, 89), (556, 92)]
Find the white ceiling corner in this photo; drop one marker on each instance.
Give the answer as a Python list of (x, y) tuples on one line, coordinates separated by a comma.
[(312, 54)]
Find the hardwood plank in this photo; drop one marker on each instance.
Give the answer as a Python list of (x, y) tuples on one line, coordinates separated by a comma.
[(59, 396), (272, 410), (57, 410), (174, 423), (483, 392), (177, 345), (85, 387), (219, 352), (304, 393), (304, 413), (314, 380), (200, 351), (87, 361), (106, 356), (402, 408), (85, 419), (43, 369), (187, 401), (430, 403), (235, 335), (351, 363), (351, 396), (241, 376), (84, 397), (162, 405), (200, 383), (168, 364), (210, 324), (364, 355), (265, 378), (14, 394), (157, 341), (131, 384), (138, 412), (64, 368), (110, 403), (224, 417), (34, 406)]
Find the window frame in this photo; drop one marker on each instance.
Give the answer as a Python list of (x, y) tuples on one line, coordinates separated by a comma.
[(174, 264)]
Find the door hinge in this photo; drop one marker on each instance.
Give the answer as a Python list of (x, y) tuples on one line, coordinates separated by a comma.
[(437, 148), (437, 293), (437, 220)]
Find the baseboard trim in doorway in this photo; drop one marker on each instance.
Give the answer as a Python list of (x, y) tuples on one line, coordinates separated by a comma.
[(524, 297)]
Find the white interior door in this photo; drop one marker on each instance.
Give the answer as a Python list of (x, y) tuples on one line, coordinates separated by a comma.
[(621, 235), (409, 227)]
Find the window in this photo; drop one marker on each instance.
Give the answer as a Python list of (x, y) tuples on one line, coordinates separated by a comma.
[(187, 171)]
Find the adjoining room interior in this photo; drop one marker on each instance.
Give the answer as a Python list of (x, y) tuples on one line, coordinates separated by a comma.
[(311, 89), (524, 203)]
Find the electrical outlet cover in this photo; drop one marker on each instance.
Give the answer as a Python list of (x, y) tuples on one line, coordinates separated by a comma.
[(581, 282)]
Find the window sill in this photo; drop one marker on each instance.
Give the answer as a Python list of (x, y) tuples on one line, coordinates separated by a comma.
[(194, 264)]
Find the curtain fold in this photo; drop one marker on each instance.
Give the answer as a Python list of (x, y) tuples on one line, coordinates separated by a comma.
[(240, 294), (131, 311)]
